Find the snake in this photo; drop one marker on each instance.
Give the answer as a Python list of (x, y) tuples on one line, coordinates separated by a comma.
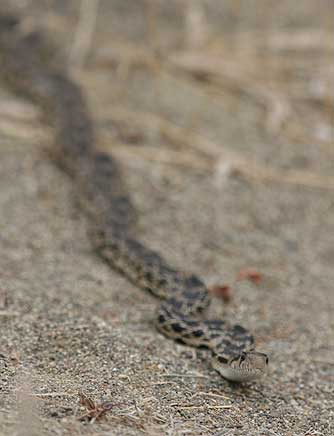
[(29, 68)]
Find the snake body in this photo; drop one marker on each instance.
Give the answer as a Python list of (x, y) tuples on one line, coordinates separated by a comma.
[(27, 67)]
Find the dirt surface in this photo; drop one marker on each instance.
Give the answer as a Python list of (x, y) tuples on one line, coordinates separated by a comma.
[(219, 189)]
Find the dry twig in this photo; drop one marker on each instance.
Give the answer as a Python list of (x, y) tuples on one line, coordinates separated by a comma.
[(84, 32), (95, 412)]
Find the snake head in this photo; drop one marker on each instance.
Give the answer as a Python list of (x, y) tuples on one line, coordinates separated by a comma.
[(247, 366)]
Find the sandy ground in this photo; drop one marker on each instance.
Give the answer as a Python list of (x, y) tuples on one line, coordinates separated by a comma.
[(69, 323)]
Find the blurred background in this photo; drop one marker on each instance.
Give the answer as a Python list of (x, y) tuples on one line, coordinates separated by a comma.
[(205, 84)]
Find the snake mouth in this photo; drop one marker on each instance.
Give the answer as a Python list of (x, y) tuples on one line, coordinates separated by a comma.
[(239, 376)]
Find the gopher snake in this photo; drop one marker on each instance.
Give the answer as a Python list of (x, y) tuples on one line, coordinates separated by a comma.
[(27, 67)]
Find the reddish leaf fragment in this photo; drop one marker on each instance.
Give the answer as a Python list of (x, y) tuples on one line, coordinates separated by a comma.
[(250, 274), (224, 292)]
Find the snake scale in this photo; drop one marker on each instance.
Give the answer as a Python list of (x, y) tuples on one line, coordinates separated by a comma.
[(27, 67)]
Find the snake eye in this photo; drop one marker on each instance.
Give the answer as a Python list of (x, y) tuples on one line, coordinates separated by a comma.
[(242, 357), (267, 360)]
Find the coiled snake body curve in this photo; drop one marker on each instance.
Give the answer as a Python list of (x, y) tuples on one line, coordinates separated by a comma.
[(26, 67)]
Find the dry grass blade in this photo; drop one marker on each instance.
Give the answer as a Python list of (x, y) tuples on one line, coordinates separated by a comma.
[(18, 110), (84, 32), (28, 423), (196, 24), (293, 177), (207, 156), (229, 74), (300, 40), (3, 299), (203, 406)]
